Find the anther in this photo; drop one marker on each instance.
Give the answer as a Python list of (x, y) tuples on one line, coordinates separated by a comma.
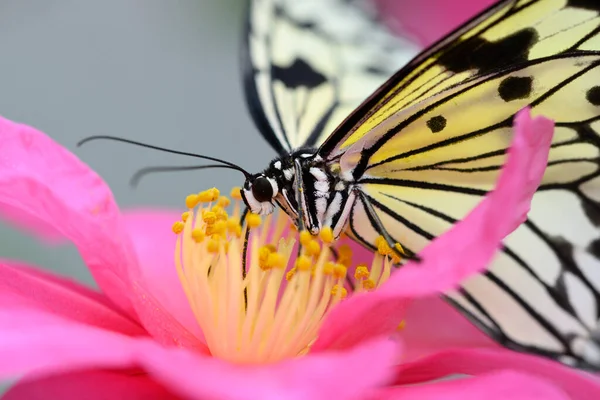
[(339, 271), (368, 284), (209, 217), (339, 289), (198, 235), (361, 272), (236, 193), (191, 201), (253, 220), (224, 201), (305, 238), (276, 260), (185, 216), (328, 268), (312, 248), (177, 227), (303, 263), (326, 235)]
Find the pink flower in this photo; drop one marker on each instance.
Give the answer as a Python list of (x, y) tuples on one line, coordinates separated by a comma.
[(141, 339)]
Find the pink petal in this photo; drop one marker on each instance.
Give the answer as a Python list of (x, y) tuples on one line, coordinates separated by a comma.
[(38, 344), (496, 386), (33, 342), (462, 251), (480, 361), (43, 185), (154, 243), (333, 375), (89, 385), (422, 335), (429, 20), (22, 286)]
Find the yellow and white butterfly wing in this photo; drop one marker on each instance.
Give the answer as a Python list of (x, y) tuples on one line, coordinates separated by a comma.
[(308, 64), (429, 144)]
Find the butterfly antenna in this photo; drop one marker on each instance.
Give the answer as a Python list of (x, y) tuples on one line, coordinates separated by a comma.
[(137, 177), (164, 149)]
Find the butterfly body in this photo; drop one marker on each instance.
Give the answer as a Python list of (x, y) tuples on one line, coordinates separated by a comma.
[(404, 149)]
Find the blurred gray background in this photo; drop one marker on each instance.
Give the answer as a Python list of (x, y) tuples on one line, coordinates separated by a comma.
[(163, 72)]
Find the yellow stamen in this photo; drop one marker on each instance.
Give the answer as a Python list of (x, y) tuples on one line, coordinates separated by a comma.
[(274, 308), (345, 255), (191, 201), (209, 195), (224, 202), (326, 235), (339, 290), (312, 248), (361, 272), (178, 227), (236, 193), (305, 238), (184, 216), (253, 220), (303, 264)]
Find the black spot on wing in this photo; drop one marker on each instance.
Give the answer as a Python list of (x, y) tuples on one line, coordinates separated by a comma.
[(436, 124), (585, 4), (593, 95), (298, 74), (477, 53), (594, 248), (515, 87), (591, 211)]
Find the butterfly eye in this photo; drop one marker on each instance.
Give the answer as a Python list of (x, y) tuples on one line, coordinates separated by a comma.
[(262, 190)]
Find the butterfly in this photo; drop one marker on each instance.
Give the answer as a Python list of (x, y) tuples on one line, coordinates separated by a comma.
[(372, 144)]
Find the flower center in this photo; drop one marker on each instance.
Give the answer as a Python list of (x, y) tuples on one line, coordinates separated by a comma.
[(254, 300)]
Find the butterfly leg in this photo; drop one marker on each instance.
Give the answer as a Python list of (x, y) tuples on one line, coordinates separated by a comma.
[(378, 225)]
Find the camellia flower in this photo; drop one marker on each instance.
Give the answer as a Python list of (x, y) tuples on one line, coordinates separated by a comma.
[(180, 317)]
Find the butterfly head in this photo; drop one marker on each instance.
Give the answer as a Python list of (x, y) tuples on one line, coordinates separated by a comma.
[(259, 193)]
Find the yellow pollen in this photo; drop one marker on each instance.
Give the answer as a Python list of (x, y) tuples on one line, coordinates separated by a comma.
[(253, 220), (213, 245), (339, 271), (178, 227), (326, 235), (303, 264), (382, 246), (224, 202), (345, 255), (209, 195), (219, 227), (198, 235), (339, 290), (236, 193), (328, 268), (361, 272), (290, 274), (305, 238), (312, 248), (269, 306), (401, 325), (191, 201), (368, 284), (276, 260), (209, 217)]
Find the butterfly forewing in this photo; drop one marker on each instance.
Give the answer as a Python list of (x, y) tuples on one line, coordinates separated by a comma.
[(308, 64)]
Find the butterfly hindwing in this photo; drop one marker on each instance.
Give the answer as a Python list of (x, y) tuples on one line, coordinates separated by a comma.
[(308, 64)]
